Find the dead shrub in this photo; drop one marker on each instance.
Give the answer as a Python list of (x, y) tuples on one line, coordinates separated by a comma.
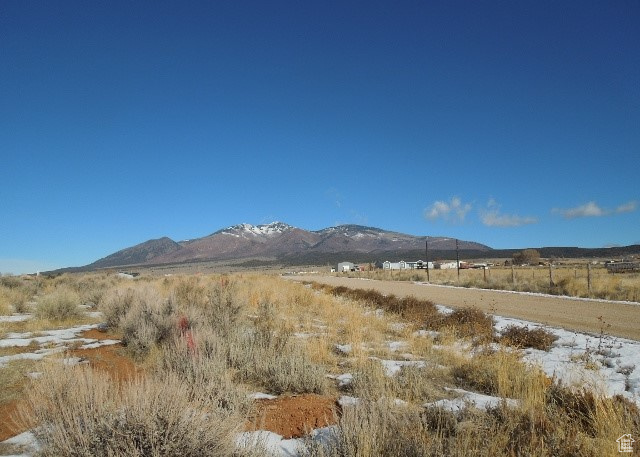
[(188, 292), (501, 373), (82, 413), (59, 305), (372, 429), (146, 324), (524, 337), (223, 310), (469, 322), (204, 368), (143, 316)]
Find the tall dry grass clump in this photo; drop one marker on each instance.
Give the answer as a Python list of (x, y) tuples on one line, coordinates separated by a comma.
[(59, 305), (143, 316), (81, 413), (14, 299)]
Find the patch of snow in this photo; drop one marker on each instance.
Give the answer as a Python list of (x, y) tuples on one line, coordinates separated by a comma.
[(393, 367), (99, 343), (444, 309), (377, 313), (344, 348), (26, 442), (271, 442), (343, 379), (73, 361), (262, 396), (16, 318), (305, 335), (424, 333), (608, 365), (395, 346), (467, 398), (398, 326), (346, 400)]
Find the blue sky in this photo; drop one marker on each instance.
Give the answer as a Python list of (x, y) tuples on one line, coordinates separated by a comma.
[(514, 124)]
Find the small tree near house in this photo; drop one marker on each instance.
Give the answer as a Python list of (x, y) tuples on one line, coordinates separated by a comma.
[(526, 257)]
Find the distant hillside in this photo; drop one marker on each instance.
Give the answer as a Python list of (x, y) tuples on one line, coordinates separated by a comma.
[(278, 242), (139, 254), (282, 244)]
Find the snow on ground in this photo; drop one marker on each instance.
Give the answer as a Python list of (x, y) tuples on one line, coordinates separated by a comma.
[(277, 446), (54, 341), (393, 367), (25, 443), (16, 318), (606, 364), (467, 398)]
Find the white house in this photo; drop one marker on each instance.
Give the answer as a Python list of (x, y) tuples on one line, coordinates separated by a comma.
[(402, 265), (346, 266)]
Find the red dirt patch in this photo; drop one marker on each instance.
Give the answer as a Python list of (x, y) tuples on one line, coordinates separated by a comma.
[(98, 335), (109, 359), (8, 426), (295, 416)]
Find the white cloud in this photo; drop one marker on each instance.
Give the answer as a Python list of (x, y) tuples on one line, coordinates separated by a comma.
[(493, 218), (592, 209), (452, 211), (629, 207)]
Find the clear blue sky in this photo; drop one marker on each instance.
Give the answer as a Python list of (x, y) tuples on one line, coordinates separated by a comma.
[(514, 124)]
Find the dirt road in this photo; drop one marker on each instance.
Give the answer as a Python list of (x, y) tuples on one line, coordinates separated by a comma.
[(619, 319)]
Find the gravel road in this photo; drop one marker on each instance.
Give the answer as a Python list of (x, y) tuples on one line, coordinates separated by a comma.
[(620, 319)]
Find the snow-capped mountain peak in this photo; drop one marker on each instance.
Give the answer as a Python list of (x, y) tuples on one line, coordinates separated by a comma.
[(263, 230)]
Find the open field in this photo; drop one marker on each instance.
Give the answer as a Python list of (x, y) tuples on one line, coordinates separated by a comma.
[(591, 316), (256, 365)]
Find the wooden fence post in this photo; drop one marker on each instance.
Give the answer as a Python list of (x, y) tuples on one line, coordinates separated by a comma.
[(551, 284), (589, 279), (513, 275)]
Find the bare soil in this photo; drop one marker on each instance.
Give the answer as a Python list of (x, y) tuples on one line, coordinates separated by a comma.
[(294, 416), (108, 359), (591, 316)]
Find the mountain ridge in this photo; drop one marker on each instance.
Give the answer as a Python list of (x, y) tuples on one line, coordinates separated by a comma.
[(276, 240)]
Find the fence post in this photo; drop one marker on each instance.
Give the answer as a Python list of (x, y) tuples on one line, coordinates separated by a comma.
[(589, 279), (551, 284), (513, 275)]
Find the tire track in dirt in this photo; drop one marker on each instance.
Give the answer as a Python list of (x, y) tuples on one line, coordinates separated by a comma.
[(619, 319)]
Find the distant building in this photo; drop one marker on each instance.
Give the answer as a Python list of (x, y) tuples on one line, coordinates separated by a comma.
[(346, 266), (622, 267), (403, 265)]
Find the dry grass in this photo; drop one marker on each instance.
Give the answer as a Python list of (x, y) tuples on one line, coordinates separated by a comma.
[(59, 305), (524, 337), (14, 299), (84, 414), (213, 339), (567, 280)]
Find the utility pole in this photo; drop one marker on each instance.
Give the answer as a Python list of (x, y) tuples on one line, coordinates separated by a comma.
[(426, 253), (458, 260)]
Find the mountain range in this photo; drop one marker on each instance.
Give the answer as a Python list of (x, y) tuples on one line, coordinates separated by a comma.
[(277, 241)]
